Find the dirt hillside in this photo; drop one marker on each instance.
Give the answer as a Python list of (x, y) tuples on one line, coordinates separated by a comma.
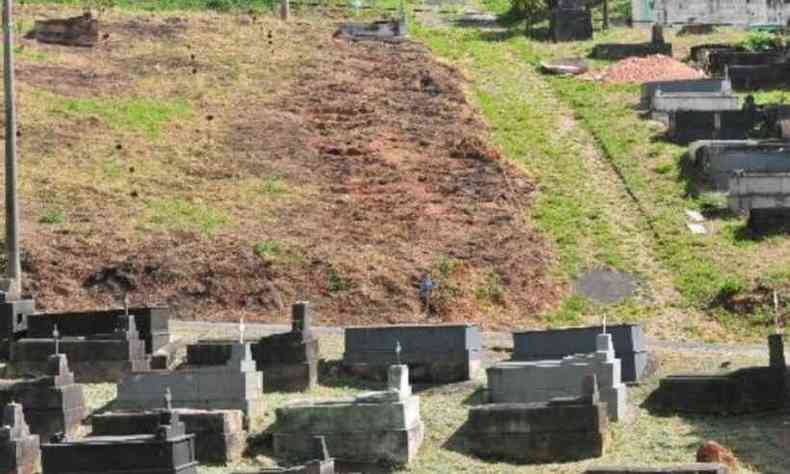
[(232, 164)]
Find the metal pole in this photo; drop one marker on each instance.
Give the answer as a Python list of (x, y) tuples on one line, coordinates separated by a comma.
[(13, 267), (285, 10)]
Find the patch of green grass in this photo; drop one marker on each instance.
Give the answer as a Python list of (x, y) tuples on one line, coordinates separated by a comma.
[(268, 249), (174, 5), (144, 115), (336, 282), (52, 216), (491, 291), (274, 187), (183, 215)]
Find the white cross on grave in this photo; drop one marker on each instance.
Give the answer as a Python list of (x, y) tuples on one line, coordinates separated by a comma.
[(241, 330), (56, 337)]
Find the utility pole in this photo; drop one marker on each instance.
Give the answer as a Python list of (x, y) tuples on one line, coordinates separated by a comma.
[(285, 10), (13, 266)]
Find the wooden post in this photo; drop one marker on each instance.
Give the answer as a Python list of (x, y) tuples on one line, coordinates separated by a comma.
[(605, 14), (13, 268), (285, 10)]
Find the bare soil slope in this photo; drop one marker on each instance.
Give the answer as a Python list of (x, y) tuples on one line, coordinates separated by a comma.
[(228, 165)]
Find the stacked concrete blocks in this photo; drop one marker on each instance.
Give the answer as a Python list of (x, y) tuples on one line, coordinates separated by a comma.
[(166, 450), (236, 385), (434, 353), (541, 381), (560, 430), (19, 449), (377, 427), (52, 403), (96, 358), (628, 340)]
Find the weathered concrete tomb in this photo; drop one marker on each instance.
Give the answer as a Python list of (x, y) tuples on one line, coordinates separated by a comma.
[(434, 353), (700, 86), (289, 361), (377, 427), (234, 385), (764, 197), (541, 381), (319, 462), (719, 159), (628, 340), (560, 430), (696, 468), (168, 450), (571, 20), (386, 30), (13, 321), (219, 434), (686, 126), (748, 390), (52, 403), (19, 449), (96, 358)]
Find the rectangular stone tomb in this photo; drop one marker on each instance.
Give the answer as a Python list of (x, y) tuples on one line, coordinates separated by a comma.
[(721, 60), (686, 126), (696, 468), (234, 386), (52, 403), (759, 76), (434, 353), (748, 390), (97, 358), (719, 159), (289, 361), (13, 323), (541, 381), (169, 450), (704, 101), (759, 191), (707, 86), (153, 324), (550, 432), (378, 427), (219, 436), (628, 339), (19, 449), (617, 51)]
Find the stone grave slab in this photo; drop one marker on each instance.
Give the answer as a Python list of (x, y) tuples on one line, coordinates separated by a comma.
[(168, 450), (219, 434), (714, 86), (236, 385), (541, 381), (52, 403), (377, 427), (19, 449), (97, 358), (686, 126), (696, 468), (560, 430), (629, 343), (719, 159), (434, 353)]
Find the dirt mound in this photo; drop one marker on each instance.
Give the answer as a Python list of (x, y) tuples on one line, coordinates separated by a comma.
[(651, 68)]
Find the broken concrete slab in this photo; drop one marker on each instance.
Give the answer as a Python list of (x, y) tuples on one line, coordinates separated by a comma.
[(81, 30), (387, 30)]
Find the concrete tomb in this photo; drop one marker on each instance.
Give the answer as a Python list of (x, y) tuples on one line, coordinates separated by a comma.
[(219, 436), (14, 316), (152, 322), (719, 159), (434, 353), (628, 340), (686, 126), (617, 51), (19, 449), (166, 450), (698, 86), (319, 462), (234, 385), (559, 430), (748, 390), (376, 427), (96, 358), (52, 403), (764, 197), (729, 12), (387, 30), (541, 381), (571, 20), (696, 468), (289, 361)]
